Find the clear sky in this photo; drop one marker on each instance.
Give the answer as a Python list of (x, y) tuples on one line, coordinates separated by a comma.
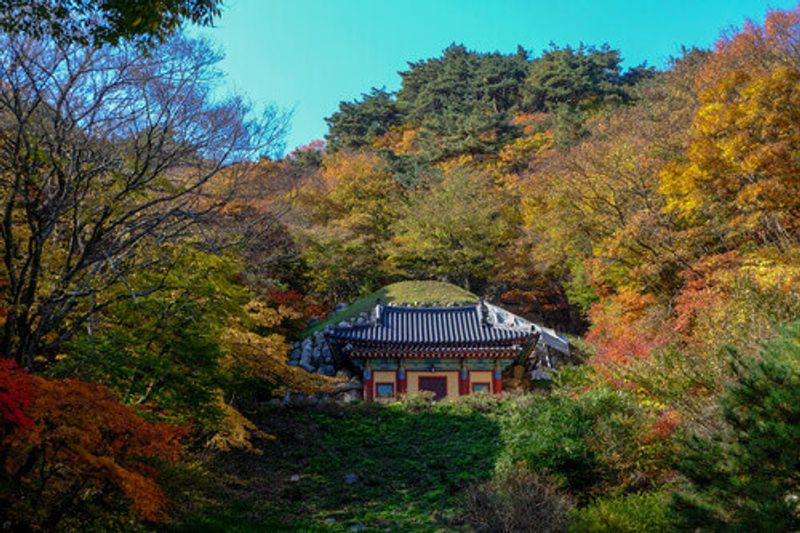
[(311, 54)]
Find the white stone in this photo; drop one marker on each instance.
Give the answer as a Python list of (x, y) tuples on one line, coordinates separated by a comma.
[(353, 384)]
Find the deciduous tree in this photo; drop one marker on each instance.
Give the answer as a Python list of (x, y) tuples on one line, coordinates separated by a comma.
[(81, 452), (450, 228), (103, 150), (110, 21)]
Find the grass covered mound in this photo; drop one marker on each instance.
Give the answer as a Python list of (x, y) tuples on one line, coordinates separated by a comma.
[(425, 293)]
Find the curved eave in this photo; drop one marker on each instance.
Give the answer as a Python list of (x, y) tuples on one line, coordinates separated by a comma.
[(399, 345), (367, 353)]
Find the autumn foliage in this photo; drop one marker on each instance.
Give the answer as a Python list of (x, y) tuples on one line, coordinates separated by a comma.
[(76, 448), (654, 213), (16, 396), (258, 349)]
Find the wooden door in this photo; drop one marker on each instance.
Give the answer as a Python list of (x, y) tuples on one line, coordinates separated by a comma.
[(437, 385)]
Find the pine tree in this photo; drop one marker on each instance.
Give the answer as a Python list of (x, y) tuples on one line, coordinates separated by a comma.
[(745, 476)]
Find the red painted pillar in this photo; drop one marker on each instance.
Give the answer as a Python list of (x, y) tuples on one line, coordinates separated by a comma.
[(497, 381), (402, 380), (367, 383), (463, 381)]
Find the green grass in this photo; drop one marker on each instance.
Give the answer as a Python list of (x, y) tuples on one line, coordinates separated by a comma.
[(430, 293), (412, 470)]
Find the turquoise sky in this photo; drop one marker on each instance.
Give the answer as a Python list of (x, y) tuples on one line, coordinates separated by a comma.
[(311, 54)]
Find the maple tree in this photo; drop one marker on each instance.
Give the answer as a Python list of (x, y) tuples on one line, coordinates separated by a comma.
[(15, 397), (79, 449), (258, 351), (739, 175)]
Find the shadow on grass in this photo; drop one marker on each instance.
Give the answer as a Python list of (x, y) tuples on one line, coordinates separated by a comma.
[(410, 470)]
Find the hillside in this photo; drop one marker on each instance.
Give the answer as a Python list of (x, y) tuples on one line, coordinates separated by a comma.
[(358, 467), (428, 293), (167, 263)]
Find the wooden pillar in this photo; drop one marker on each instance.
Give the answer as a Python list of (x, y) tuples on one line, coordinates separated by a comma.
[(497, 380), (463, 380), (402, 379), (367, 381)]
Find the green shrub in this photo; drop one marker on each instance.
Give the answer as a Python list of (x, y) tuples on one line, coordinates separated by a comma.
[(478, 402), (575, 377), (417, 402), (631, 513), (551, 436)]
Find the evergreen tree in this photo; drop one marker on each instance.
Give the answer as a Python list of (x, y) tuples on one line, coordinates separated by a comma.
[(581, 78), (745, 476), (463, 99), (357, 123)]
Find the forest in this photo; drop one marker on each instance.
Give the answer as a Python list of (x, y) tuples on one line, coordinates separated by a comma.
[(161, 255)]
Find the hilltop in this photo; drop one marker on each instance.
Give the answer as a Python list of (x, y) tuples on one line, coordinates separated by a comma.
[(418, 292)]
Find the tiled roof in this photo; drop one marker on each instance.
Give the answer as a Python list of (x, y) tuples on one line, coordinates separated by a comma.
[(432, 326), (433, 352)]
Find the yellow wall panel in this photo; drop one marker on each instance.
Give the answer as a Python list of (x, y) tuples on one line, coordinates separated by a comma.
[(481, 376), (384, 376)]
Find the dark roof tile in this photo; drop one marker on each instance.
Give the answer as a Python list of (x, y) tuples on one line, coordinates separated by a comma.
[(431, 325)]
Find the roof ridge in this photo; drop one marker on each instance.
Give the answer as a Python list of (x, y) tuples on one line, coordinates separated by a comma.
[(430, 308)]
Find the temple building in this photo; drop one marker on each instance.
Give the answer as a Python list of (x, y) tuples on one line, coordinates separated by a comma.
[(450, 351)]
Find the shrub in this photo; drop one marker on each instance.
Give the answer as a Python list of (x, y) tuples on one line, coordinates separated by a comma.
[(634, 444), (549, 437), (575, 378), (517, 500), (480, 402), (83, 459), (16, 393), (416, 402), (552, 434), (597, 441), (631, 513)]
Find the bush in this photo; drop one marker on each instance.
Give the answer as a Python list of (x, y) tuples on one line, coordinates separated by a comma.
[(517, 500), (632, 513), (478, 402), (598, 441), (575, 378), (551, 435), (82, 459), (417, 402)]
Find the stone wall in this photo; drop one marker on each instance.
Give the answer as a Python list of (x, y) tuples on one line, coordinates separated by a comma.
[(314, 355)]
